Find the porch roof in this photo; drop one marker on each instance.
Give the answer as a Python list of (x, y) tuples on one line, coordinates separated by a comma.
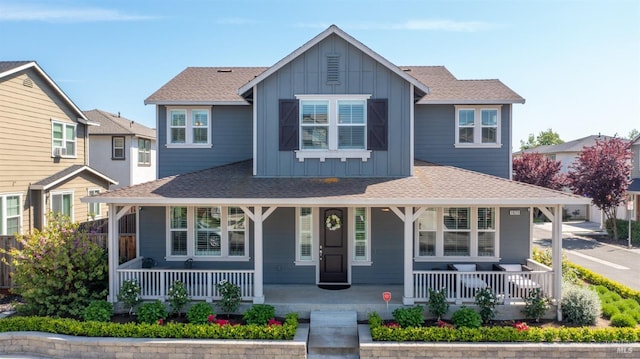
[(431, 184)]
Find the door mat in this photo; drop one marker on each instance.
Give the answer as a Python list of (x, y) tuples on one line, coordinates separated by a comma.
[(334, 286)]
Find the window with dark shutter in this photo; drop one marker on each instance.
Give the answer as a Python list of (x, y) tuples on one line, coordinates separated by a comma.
[(333, 69), (377, 125), (289, 125)]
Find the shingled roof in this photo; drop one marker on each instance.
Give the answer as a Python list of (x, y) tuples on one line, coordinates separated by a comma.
[(431, 185), (112, 124)]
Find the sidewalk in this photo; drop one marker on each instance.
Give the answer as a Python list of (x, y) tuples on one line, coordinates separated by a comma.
[(584, 228)]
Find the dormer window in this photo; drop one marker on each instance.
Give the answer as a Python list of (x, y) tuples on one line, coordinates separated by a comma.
[(477, 126), (188, 127)]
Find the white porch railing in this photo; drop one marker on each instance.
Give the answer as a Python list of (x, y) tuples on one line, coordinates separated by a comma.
[(201, 283), (461, 287)]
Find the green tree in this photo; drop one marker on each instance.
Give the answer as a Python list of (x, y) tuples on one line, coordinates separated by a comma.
[(58, 271), (633, 134), (544, 138)]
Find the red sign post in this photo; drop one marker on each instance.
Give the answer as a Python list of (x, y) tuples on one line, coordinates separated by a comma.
[(386, 296)]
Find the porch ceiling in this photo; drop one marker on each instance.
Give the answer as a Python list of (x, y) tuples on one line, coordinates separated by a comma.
[(431, 184)]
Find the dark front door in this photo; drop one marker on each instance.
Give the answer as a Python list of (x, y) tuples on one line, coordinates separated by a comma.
[(333, 245)]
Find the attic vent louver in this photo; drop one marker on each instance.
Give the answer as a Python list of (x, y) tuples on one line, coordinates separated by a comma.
[(333, 69), (225, 70), (27, 82)]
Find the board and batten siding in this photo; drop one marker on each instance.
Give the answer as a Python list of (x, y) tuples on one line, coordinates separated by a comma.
[(232, 141), (25, 139), (435, 139), (359, 74)]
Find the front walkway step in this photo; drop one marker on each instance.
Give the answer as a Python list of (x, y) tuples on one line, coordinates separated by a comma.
[(333, 334)]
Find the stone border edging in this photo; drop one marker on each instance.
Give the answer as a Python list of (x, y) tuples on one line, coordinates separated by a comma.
[(66, 346), (388, 350)]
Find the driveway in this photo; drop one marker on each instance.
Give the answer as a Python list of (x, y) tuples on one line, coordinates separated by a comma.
[(618, 263)]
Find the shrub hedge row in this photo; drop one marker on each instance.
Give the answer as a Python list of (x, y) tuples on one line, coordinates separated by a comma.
[(507, 334), (597, 279), (141, 330)]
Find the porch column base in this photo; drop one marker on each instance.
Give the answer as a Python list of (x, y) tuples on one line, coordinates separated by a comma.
[(258, 300), (408, 300)]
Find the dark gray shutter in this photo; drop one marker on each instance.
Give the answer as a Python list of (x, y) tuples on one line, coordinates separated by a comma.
[(289, 125), (377, 125)]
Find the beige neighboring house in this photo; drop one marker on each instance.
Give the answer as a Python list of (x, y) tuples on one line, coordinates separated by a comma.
[(121, 148), (44, 160), (567, 153)]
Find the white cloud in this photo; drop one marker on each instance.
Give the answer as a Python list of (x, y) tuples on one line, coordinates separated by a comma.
[(47, 13)]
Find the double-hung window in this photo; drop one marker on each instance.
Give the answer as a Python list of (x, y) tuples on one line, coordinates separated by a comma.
[(457, 232), (188, 127), (62, 204), (304, 234), (117, 148), (63, 139), (477, 126), (333, 126), (94, 208), (10, 214), (361, 236), (207, 232), (144, 152)]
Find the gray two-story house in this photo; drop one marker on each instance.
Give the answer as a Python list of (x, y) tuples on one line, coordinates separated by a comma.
[(334, 167)]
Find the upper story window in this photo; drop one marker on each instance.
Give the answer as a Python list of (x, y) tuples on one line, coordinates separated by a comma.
[(207, 232), (190, 127), (457, 233), (63, 139), (144, 151), (117, 148), (477, 126), (10, 214)]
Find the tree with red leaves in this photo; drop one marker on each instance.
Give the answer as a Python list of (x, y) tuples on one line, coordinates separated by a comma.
[(539, 170), (602, 173)]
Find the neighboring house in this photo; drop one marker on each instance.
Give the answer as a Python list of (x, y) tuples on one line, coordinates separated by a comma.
[(634, 188), (334, 167), (121, 148), (567, 153), (43, 152)]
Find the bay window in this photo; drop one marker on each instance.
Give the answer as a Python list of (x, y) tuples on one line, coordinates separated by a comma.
[(477, 126), (207, 232)]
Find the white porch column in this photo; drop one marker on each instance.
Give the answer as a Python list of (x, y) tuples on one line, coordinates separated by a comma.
[(258, 296), (112, 248), (408, 218), (556, 257)]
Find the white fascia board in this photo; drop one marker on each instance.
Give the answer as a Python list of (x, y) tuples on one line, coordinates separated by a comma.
[(198, 103), (468, 102), (314, 202), (333, 29)]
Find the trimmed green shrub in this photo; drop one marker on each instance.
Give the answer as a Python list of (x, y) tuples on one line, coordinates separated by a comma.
[(535, 304), (610, 297), (609, 310), (597, 279), (178, 296), (199, 313), (375, 320), (259, 314), (600, 289), (409, 317), (623, 230), (580, 305), (98, 311), (438, 305), (623, 320), (129, 294), (466, 318), (486, 300), (627, 304), (569, 273), (58, 271), (150, 313), (231, 298)]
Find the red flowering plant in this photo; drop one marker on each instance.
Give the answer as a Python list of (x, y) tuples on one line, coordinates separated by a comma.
[(273, 322), (160, 321), (443, 324), (211, 318), (392, 325), (521, 326)]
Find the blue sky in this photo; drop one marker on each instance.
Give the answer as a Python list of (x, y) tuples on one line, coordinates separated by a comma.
[(576, 62)]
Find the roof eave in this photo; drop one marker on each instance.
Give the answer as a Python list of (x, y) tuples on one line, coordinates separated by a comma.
[(71, 175), (470, 102), (333, 29), (197, 103)]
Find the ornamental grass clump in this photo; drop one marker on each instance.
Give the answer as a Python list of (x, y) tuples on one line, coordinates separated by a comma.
[(58, 271)]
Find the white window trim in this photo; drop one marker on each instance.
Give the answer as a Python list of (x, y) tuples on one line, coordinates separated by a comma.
[(144, 151), (352, 238), (64, 192), (113, 148), (99, 215), (333, 151), (3, 215), (224, 238), (188, 141), (440, 257), (314, 238), (64, 138), (477, 129)]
